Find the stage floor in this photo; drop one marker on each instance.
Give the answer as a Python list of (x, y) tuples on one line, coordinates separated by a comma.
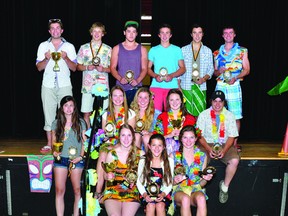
[(260, 150)]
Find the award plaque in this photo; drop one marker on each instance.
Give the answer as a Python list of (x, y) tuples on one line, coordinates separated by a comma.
[(96, 61), (217, 148), (163, 72), (153, 190), (130, 177), (72, 154), (57, 147), (109, 167), (208, 170), (139, 126), (56, 57), (109, 129), (227, 76), (129, 75), (180, 170), (195, 75)]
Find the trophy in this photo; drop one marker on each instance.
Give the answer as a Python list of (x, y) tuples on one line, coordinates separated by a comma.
[(217, 148), (96, 61), (57, 147), (207, 170), (130, 177), (177, 124), (163, 72), (109, 129), (72, 154), (227, 76), (109, 167), (56, 57), (139, 126), (129, 76), (180, 170), (153, 190), (195, 75)]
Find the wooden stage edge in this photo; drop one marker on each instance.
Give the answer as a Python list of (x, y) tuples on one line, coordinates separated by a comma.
[(251, 150)]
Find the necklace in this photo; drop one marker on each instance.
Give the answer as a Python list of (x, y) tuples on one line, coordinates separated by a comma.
[(218, 137)]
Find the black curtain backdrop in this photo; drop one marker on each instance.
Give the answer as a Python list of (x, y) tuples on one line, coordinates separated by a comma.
[(24, 27), (262, 28)]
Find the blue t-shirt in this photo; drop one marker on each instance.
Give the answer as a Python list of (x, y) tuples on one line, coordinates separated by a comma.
[(165, 57)]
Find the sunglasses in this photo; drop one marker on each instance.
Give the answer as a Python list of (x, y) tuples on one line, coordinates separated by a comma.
[(54, 20)]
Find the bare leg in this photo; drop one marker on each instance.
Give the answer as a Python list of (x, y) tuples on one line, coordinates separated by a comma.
[(150, 209), (60, 176), (100, 172), (230, 171), (160, 209), (49, 138), (113, 207), (183, 200), (236, 139), (129, 208), (86, 117), (75, 179), (198, 199)]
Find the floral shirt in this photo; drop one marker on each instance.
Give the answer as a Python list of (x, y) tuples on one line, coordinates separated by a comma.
[(92, 77)]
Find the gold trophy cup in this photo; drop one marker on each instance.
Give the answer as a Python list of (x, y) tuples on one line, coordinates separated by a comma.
[(56, 57), (129, 76), (130, 177), (180, 170), (57, 147), (217, 148), (163, 72), (109, 167), (177, 124)]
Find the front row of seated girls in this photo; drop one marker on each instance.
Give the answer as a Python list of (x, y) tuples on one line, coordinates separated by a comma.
[(183, 189)]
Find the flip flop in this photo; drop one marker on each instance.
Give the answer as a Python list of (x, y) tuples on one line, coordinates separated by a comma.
[(45, 149)]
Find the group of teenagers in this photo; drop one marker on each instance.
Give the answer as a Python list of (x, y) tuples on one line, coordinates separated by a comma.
[(152, 131)]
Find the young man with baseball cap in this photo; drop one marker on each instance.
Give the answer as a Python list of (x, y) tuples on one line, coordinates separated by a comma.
[(219, 129)]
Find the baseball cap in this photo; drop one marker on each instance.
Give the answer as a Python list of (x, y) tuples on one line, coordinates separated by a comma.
[(218, 94), (131, 23)]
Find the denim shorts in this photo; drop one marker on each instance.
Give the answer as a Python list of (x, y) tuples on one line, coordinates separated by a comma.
[(65, 162)]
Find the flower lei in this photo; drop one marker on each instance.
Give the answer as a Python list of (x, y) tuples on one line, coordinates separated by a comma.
[(118, 120), (218, 137), (171, 117)]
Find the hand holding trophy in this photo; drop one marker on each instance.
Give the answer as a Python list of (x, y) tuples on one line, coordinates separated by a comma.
[(130, 178), (72, 155), (195, 75), (180, 170), (207, 170), (217, 148), (56, 57), (129, 76), (57, 147), (227, 76), (109, 167), (163, 72), (153, 190)]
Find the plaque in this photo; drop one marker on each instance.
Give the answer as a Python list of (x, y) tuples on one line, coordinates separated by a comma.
[(129, 76), (217, 148), (72, 154), (163, 72), (153, 190), (195, 75), (109, 129), (96, 61), (208, 170), (139, 126), (180, 170), (130, 177), (227, 76)]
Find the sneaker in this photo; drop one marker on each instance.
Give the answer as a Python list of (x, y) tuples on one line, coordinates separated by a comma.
[(223, 196)]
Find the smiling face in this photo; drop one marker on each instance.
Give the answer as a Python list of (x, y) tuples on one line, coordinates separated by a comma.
[(130, 34), (117, 97), (217, 105), (68, 108), (156, 146), (175, 101), (143, 100), (229, 35), (197, 34), (188, 139), (97, 34), (126, 137), (55, 30), (165, 34)]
